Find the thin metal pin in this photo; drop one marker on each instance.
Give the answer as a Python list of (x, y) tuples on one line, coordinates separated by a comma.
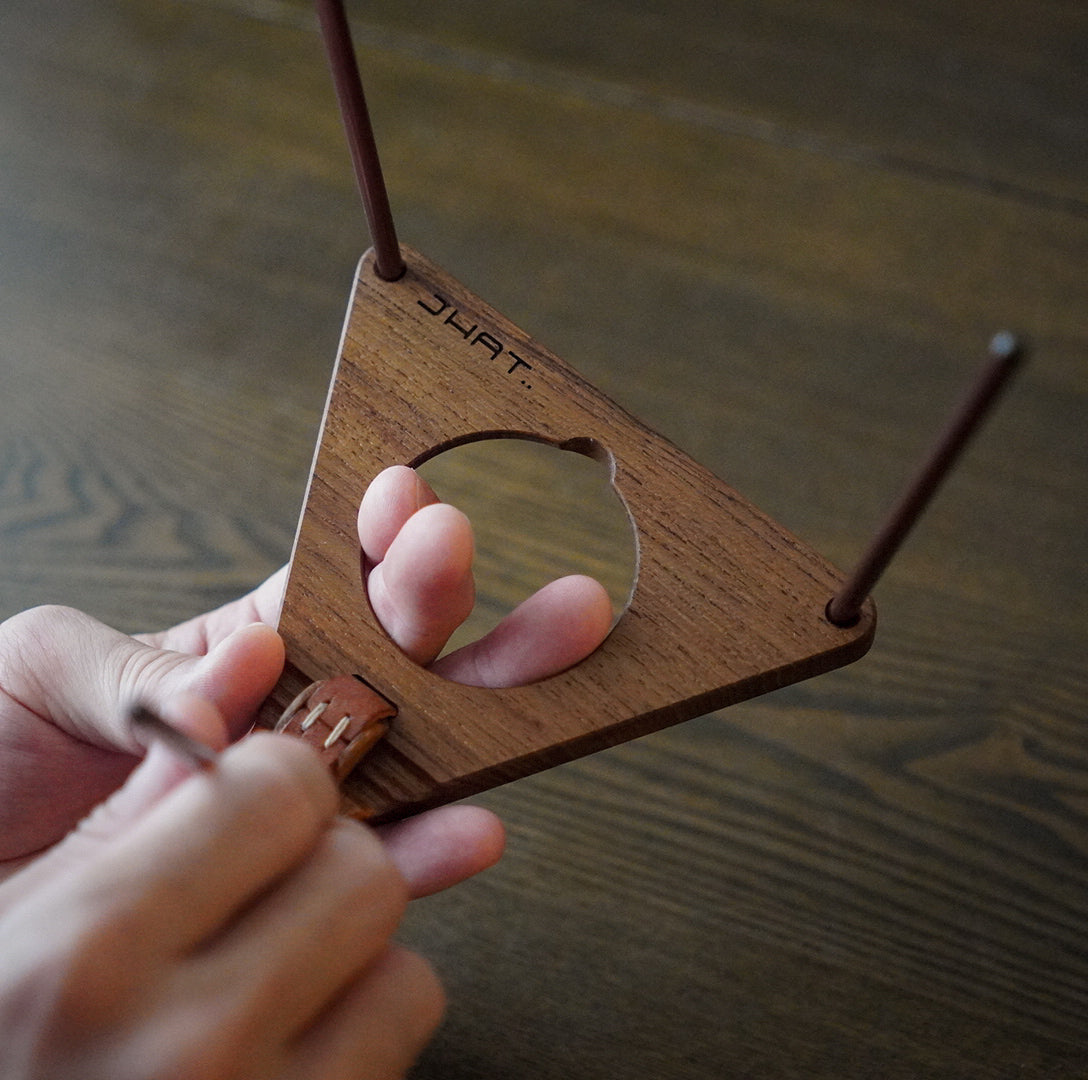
[(1004, 355), (312, 716), (337, 731), (143, 720), (364, 151)]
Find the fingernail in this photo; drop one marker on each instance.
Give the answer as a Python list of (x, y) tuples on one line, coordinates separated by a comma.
[(425, 494)]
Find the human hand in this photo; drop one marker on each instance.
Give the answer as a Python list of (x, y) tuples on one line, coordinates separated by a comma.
[(225, 925), (66, 680), (418, 558), (230, 924)]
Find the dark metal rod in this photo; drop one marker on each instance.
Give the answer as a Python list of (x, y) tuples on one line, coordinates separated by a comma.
[(150, 724), (1005, 353), (364, 151)]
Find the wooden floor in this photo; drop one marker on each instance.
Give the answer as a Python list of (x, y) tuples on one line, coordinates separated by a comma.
[(779, 232)]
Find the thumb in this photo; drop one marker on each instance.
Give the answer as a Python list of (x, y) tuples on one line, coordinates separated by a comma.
[(159, 772), (81, 675)]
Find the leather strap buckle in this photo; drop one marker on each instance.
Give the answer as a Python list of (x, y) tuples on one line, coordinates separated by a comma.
[(342, 718)]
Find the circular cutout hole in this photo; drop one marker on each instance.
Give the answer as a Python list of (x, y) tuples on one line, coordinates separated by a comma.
[(539, 512)]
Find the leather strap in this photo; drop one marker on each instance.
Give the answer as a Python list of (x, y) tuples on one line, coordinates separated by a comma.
[(341, 718)]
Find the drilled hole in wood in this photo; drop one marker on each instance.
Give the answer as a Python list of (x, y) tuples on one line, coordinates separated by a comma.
[(539, 512)]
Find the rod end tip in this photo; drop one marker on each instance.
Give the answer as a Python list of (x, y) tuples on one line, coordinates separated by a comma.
[(1005, 345)]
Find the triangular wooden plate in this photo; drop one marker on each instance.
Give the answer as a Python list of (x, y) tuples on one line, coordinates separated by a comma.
[(727, 604)]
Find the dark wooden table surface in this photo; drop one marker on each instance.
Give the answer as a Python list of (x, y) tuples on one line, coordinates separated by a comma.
[(779, 232)]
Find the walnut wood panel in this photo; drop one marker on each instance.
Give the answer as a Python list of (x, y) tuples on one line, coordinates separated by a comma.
[(784, 251), (726, 605)]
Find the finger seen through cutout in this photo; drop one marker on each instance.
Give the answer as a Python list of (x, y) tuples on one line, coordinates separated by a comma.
[(548, 511), (421, 590)]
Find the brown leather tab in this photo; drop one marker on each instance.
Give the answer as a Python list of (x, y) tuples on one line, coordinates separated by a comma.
[(341, 718)]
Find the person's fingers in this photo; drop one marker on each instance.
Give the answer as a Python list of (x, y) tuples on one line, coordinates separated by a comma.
[(392, 497), (159, 771), (161, 768), (555, 628), (203, 851), (377, 1028), (69, 681), (66, 667), (316, 931), (238, 674), (422, 590), (203, 633), (441, 848), (236, 923)]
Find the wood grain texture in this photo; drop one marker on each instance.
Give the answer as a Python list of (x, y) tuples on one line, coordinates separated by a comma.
[(780, 234), (726, 604), (500, 484)]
